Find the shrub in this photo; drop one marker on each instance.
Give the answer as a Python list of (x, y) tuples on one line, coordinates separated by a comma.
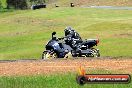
[(17, 4), (0, 5), (22, 4)]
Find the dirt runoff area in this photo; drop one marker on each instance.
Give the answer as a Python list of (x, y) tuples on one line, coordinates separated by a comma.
[(35, 67)]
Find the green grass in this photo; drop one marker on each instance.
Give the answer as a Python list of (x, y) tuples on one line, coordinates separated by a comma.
[(67, 80), (23, 34)]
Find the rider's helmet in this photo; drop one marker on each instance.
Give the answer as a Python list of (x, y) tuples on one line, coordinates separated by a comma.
[(68, 30)]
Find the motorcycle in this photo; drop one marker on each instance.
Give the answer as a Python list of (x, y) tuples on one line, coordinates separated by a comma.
[(57, 48)]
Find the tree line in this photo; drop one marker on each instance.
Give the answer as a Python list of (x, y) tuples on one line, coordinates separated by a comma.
[(22, 4)]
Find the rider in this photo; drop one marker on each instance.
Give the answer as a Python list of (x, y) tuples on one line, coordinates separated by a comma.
[(73, 38)]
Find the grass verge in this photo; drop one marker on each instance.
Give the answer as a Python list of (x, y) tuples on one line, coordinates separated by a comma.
[(67, 80)]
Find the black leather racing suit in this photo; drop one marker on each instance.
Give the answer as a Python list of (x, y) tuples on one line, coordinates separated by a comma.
[(73, 39)]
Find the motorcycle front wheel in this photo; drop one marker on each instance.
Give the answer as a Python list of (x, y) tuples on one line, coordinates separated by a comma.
[(49, 55)]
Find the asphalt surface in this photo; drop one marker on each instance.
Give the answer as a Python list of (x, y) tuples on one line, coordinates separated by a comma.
[(110, 7)]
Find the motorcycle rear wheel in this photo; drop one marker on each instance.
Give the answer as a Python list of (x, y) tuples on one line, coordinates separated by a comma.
[(95, 53)]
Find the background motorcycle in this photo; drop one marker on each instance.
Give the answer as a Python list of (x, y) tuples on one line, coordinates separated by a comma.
[(86, 48)]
